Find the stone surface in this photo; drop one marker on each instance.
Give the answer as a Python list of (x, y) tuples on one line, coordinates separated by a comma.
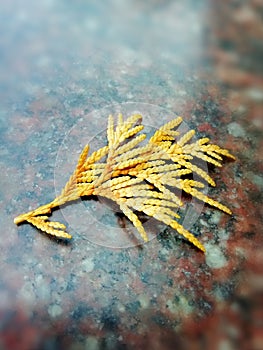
[(61, 60)]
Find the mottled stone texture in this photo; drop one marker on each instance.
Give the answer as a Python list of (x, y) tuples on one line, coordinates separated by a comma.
[(61, 60)]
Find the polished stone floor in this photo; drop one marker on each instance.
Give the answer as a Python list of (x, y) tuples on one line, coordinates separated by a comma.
[(63, 66)]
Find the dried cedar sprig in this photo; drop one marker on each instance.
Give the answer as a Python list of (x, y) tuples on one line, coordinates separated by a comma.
[(138, 178)]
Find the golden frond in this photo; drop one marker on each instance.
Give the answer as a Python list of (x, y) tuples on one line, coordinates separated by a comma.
[(52, 228), (134, 219), (165, 132), (138, 177)]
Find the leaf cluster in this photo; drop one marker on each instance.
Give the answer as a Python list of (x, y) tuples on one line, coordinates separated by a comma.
[(144, 177)]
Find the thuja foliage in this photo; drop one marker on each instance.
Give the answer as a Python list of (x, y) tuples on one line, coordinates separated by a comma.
[(139, 176)]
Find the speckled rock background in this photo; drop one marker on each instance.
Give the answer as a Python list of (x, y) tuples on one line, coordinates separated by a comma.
[(61, 60)]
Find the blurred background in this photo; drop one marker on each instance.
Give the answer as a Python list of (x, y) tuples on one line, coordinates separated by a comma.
[(59, 61)]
